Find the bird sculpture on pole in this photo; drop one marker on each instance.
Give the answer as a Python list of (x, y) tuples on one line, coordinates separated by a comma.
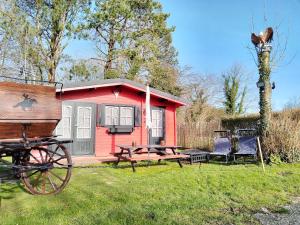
[(263, 38)]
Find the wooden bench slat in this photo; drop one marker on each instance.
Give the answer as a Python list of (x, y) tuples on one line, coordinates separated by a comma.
[(154, 157)]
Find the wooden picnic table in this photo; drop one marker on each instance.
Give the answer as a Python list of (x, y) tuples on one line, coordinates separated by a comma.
[(153, 152)]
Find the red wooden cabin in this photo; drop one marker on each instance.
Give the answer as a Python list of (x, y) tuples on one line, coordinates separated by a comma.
[(98, 115)]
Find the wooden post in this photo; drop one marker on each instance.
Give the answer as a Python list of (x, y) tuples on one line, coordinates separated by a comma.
[(260, 154)]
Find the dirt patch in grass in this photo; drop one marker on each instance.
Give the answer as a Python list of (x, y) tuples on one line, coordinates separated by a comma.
[(287, 215)]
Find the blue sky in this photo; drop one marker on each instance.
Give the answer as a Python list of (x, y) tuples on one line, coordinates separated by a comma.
[(212, 35)]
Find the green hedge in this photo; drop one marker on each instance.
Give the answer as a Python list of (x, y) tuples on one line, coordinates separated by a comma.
[(240, 122), (252, 121)]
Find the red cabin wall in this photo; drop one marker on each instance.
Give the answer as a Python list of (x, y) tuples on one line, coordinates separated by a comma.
[(105, 143)]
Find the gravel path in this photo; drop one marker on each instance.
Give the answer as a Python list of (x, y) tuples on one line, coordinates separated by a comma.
[(290, 215)]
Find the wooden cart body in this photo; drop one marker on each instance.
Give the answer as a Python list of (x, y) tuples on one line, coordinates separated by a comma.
[(26, 105)]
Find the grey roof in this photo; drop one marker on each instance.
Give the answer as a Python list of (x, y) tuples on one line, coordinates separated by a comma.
[(110, 82)]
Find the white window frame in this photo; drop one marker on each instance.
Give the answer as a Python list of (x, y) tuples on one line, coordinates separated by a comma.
[(84, 127), (60, 125)]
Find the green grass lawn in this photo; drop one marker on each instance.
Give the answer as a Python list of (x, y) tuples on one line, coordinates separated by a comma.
[(165, 194)]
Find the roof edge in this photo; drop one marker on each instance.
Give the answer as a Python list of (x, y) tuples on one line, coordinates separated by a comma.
[(125, 82)]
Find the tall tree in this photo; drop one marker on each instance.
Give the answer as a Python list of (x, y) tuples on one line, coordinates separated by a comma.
[(47, 23), (233, 92), (134, 39), (12, 26), (81, 70)]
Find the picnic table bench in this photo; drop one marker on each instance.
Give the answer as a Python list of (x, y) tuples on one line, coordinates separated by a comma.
[(133, 154)]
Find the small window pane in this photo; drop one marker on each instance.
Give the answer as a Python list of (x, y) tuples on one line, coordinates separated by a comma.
[(79, 133), (126, 116), (86, 133), (122, 121)]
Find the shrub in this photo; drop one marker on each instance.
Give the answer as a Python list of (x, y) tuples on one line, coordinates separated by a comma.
[(283, 139), (240, 122)]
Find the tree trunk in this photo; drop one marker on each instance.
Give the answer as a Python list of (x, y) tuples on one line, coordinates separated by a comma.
[(110, 49), (53, 59), (264, 92), (58, 27)]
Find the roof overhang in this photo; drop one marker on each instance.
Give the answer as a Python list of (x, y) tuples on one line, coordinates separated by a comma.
[(140, 88)]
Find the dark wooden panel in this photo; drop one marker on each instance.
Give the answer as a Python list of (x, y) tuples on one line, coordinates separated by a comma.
[(28, 102), (14, 130)]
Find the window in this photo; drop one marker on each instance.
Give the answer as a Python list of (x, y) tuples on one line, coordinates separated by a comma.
[(64, 128), (119, 115), (84, 122)]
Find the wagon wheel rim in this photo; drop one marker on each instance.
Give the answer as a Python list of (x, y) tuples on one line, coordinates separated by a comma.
[(48, 171)]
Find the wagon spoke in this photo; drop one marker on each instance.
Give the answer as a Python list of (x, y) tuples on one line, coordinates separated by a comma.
[(54, 174), (63, 165), (46, 158), (41, 155), (36, 180), (44, 182), (56, 160), (32, 173), (35, 158), (54, 152), (54, 186)]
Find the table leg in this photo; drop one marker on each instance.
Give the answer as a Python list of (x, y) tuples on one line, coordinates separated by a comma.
[(129, 152), (119, 156), (173, 150), (132, 166), (148, 163), (178, 160)]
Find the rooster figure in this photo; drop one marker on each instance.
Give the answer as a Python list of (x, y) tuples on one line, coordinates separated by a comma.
[(262, 38), (27, 103)]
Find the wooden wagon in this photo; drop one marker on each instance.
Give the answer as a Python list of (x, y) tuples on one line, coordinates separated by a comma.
[(29, 113)]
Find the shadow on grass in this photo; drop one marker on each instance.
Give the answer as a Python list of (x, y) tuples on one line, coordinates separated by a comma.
[(8, 190), (9, 185), (143, 164)]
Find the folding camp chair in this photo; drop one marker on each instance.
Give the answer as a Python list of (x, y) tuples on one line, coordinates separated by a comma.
[(222, 145), (247, 144)]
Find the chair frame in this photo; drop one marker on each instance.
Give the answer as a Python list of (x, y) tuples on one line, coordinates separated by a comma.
[(228, 136), (239, 132)]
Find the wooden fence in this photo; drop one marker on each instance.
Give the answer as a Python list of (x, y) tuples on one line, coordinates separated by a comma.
[(198, 135)]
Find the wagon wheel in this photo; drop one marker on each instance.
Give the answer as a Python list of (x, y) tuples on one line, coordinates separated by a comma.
[(48, 171)]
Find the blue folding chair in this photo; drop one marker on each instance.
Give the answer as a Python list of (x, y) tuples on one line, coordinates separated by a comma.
[(222, 145), (247, 144)]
